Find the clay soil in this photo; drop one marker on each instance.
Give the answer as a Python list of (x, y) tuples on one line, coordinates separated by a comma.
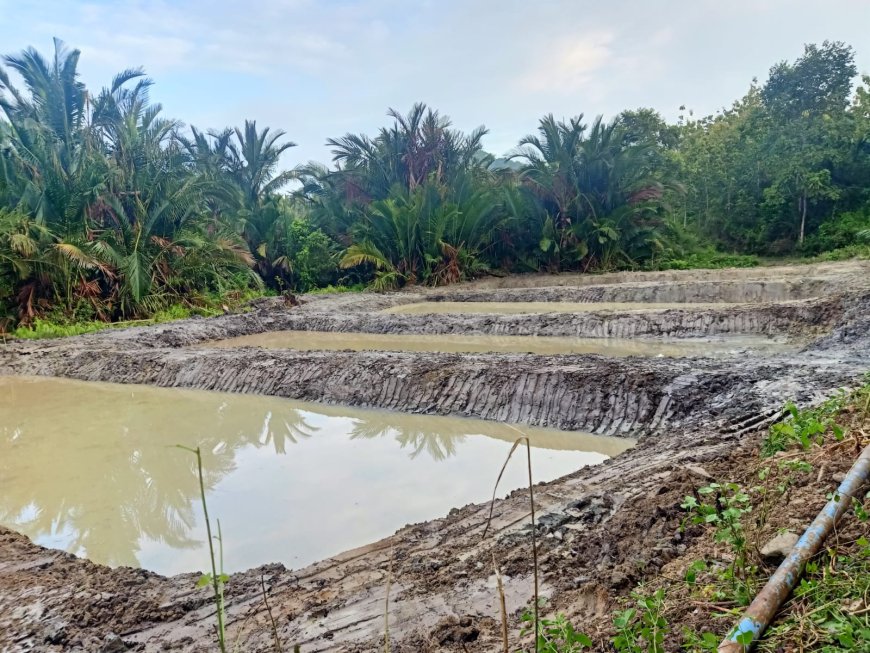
[(601, 530)]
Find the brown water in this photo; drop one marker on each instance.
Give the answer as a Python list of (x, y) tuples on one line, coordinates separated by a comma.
[(337, 341), (513, 308), (93, 469)]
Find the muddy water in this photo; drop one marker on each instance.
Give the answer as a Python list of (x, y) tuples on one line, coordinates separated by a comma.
[(93, 469), (332, 341), (512, 308)]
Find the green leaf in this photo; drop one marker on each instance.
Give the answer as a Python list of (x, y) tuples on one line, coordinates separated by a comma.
[(746, 638), (204, 580), (583, 639)]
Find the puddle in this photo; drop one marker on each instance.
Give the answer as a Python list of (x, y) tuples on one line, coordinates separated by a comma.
[(93, 469), (339, 341), (512, 308)]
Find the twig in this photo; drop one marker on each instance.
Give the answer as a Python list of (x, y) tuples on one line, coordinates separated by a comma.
[(502, 606), (387, 601), (271, 618), (522, 439)]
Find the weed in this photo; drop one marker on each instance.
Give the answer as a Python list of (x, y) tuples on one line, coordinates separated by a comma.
[(556, 635), (830, 610), (695, 642), (642, 627), (333, 290), (724, 512), (217, 580), (804, 427), (60, 326)]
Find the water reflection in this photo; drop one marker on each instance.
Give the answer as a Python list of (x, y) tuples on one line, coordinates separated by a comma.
[(93, 469)]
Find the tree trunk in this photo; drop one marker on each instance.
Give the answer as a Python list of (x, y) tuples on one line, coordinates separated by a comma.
[(802, 204)]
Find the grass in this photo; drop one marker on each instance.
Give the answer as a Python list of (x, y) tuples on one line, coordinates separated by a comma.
[(707, 259), (704, 596), (58, 326), (218, 580), (691, 604), (215, 579), (535, 619), (334, 290)]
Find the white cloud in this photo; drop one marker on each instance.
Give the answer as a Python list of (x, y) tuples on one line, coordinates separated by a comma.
[(568, 65), (319, 68)]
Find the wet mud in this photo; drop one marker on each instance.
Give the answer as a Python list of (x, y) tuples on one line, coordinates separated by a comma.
[(598, 526)]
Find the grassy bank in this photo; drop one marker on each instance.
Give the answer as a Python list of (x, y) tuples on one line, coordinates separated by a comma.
[(58, 325), (776, 488)]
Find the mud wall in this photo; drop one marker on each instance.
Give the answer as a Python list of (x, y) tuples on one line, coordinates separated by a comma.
[(586, 393), (695, 291), (814, 317)]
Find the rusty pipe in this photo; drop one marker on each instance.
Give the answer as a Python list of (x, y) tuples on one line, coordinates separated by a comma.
[(762, 610)]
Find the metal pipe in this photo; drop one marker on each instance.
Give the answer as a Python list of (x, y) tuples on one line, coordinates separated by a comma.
[(762, 610)]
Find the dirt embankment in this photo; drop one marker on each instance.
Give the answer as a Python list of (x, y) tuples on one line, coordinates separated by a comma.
[(601, 527)]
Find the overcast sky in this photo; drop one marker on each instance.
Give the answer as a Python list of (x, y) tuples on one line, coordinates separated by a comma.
[(319, 68)]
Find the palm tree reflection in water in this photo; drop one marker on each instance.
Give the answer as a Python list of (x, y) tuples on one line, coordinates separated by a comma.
[(95, 470), (113, 477)]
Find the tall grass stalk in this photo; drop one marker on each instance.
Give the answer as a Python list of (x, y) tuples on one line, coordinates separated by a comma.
[(216, 580), (523, 439)]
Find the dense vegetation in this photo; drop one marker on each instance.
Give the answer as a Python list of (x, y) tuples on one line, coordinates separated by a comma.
[(110, 211)]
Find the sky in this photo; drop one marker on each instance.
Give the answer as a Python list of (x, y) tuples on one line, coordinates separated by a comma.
[(322, 68)]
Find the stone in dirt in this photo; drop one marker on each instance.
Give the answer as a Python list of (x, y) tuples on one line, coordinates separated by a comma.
[(779, 547)]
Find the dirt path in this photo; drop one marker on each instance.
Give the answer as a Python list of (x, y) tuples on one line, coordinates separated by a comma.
[(599, 527)]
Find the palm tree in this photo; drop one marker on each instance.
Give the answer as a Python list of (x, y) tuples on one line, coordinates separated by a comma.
[(434, 235), (598, 202), (418, 146), (49, 145), (254, 159)]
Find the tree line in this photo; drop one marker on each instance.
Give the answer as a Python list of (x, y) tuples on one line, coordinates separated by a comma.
[(110, 211)]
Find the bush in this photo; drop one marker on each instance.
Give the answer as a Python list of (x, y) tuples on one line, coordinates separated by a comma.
[(842, 231), (707, 258)]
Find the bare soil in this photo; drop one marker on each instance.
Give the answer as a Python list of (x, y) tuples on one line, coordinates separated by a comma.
[(601, 529)]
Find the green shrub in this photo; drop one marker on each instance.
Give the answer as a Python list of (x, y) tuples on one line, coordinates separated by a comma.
[(707, 259), (842, 231)]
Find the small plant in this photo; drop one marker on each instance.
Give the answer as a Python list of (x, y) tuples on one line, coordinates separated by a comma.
[(642, 628), (556, 635), (216, 579), (695, 642), (691, 576), (725, 512), (804, 427)]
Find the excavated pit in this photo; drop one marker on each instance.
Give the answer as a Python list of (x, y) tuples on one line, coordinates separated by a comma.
[(543, 345), (523, 305), (138, 504), (599, 525)]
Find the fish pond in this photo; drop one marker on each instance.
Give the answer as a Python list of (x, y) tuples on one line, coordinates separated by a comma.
[(95, 469)]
